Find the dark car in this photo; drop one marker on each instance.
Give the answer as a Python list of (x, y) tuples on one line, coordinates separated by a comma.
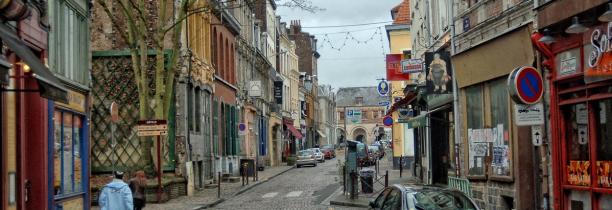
[(328, 151), (363, 158), (405, 197)]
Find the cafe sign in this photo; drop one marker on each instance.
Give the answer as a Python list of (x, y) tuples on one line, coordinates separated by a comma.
[(600, 58)]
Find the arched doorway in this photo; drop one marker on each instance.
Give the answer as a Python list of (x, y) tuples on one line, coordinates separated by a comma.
[(360, 135)]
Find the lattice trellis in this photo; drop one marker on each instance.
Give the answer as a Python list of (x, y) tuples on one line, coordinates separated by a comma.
[(113, 80)]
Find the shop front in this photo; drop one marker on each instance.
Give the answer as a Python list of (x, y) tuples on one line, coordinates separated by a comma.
[(68, 153), (581, 116)]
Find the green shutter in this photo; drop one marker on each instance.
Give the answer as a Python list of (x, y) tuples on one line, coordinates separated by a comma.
[(215, 114), (226, 135), (236, 137)]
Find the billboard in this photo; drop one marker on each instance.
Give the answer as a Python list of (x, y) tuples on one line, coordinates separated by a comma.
[(438, 73), (394, 68)]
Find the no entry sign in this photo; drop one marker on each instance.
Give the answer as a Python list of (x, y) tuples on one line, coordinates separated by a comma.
[(526, 85)]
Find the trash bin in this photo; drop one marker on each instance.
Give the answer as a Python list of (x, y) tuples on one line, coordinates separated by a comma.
[(367, 180)]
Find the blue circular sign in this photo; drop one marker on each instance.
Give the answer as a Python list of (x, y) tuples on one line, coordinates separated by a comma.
[(383, 88), (388, 121), (241, 127), (526, 85)]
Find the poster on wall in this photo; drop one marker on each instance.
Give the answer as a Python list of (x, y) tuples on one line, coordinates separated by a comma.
[(578, 173), (478, 151), (604, 175), (438, 73)]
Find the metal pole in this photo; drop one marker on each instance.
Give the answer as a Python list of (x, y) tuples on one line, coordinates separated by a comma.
[(344, 179), (386, 178), (401, 165), (159, 170), (218, 184), (456, 115), (113, 145)]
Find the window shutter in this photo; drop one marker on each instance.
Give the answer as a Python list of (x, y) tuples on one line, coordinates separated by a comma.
[(215, 124)]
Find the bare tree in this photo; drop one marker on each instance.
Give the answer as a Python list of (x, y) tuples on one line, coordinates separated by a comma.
[(305, 5)]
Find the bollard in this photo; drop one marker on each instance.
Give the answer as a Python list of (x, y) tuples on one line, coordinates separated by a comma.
[(386, 178), (219, 186), (401, 165), (354, 185), (344, 179), (243, 173)]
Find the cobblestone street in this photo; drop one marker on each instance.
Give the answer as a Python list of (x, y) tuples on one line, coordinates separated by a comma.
[(300, 188)]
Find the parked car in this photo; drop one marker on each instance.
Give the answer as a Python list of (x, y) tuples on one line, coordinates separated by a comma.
[(306, 157), (405, 197), (328, 151), (318, 154), (374, 153)]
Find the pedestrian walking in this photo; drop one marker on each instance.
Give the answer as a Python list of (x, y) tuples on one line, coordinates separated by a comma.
[(138, 184), (116, 195)]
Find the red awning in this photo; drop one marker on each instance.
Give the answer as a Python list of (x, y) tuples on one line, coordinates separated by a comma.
[(294, 131), (406, 100)]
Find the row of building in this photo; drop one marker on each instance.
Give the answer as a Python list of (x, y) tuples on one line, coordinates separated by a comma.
[(245, 88), (457, 124)]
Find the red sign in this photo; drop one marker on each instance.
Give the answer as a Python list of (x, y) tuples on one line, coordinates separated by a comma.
[(394, 68), (526, 85), (388, 121)]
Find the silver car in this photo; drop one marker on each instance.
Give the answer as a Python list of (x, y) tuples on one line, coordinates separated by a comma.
[(306, 157), (405, 197), (318, 154)]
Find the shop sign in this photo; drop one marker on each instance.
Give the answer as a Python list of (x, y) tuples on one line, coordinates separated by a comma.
[(529, 114), (383, 88), (255, 88), (394, 70), (278, 92), (152, 128), (412, 65), (439, 73), (568, 66), (600, 58), (76, 101)]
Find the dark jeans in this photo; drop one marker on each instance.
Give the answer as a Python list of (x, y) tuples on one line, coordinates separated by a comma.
[(139, 203)]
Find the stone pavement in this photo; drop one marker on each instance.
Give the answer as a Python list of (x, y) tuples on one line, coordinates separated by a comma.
[(385, 164), (207, 197)]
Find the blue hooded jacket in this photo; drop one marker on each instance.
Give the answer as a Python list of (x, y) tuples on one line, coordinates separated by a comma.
[(116, 196)]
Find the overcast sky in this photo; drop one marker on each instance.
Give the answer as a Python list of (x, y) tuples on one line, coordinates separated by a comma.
[(356, 64)]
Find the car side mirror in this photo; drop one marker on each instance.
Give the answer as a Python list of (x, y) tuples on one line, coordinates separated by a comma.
[(373, 204)]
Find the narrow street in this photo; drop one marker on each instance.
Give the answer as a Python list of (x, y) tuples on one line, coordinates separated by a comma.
[(301, 188)]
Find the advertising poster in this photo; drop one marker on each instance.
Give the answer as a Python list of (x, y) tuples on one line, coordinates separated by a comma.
[(438, 73), (578, 173)]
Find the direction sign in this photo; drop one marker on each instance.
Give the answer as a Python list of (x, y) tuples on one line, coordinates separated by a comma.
[(388, 121), (152, 133), (383, 88), (383, 103), (526, 85), (536, 135)]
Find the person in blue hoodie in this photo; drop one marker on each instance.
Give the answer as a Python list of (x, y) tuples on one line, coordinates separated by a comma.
[(116, 195)]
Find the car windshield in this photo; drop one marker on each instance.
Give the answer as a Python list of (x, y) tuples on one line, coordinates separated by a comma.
[(305, 153), (441, 200)]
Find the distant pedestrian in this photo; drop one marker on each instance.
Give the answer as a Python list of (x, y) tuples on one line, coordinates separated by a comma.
[(138, 184), (116, 195)]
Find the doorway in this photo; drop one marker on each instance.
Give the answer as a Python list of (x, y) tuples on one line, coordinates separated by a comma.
[(440, 147)]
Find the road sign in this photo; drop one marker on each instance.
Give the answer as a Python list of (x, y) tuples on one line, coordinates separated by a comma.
[(529, 114), (383, 88), (152, 128), (536, 135), (242, 129), (526, 85), (388, 121), (383, 103), (114, 111)]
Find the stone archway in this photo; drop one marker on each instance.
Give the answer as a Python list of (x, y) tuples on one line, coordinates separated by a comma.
[(360, 135)]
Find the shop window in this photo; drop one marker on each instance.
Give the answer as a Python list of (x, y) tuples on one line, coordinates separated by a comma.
[(68, 134), (579, 200), (603, 124), (577, 144), (477, 150), (605, 202), (500, 163)]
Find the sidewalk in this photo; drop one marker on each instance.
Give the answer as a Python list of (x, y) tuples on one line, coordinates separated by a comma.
[(208, 197), (363, 200)]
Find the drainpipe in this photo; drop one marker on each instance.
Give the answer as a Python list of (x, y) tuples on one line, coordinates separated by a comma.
[(456, 114)]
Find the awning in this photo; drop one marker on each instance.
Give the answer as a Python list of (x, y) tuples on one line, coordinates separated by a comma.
[(49, 86), (294, 131), (321, 134), (421, 120), (495, 58), (406, 100)]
